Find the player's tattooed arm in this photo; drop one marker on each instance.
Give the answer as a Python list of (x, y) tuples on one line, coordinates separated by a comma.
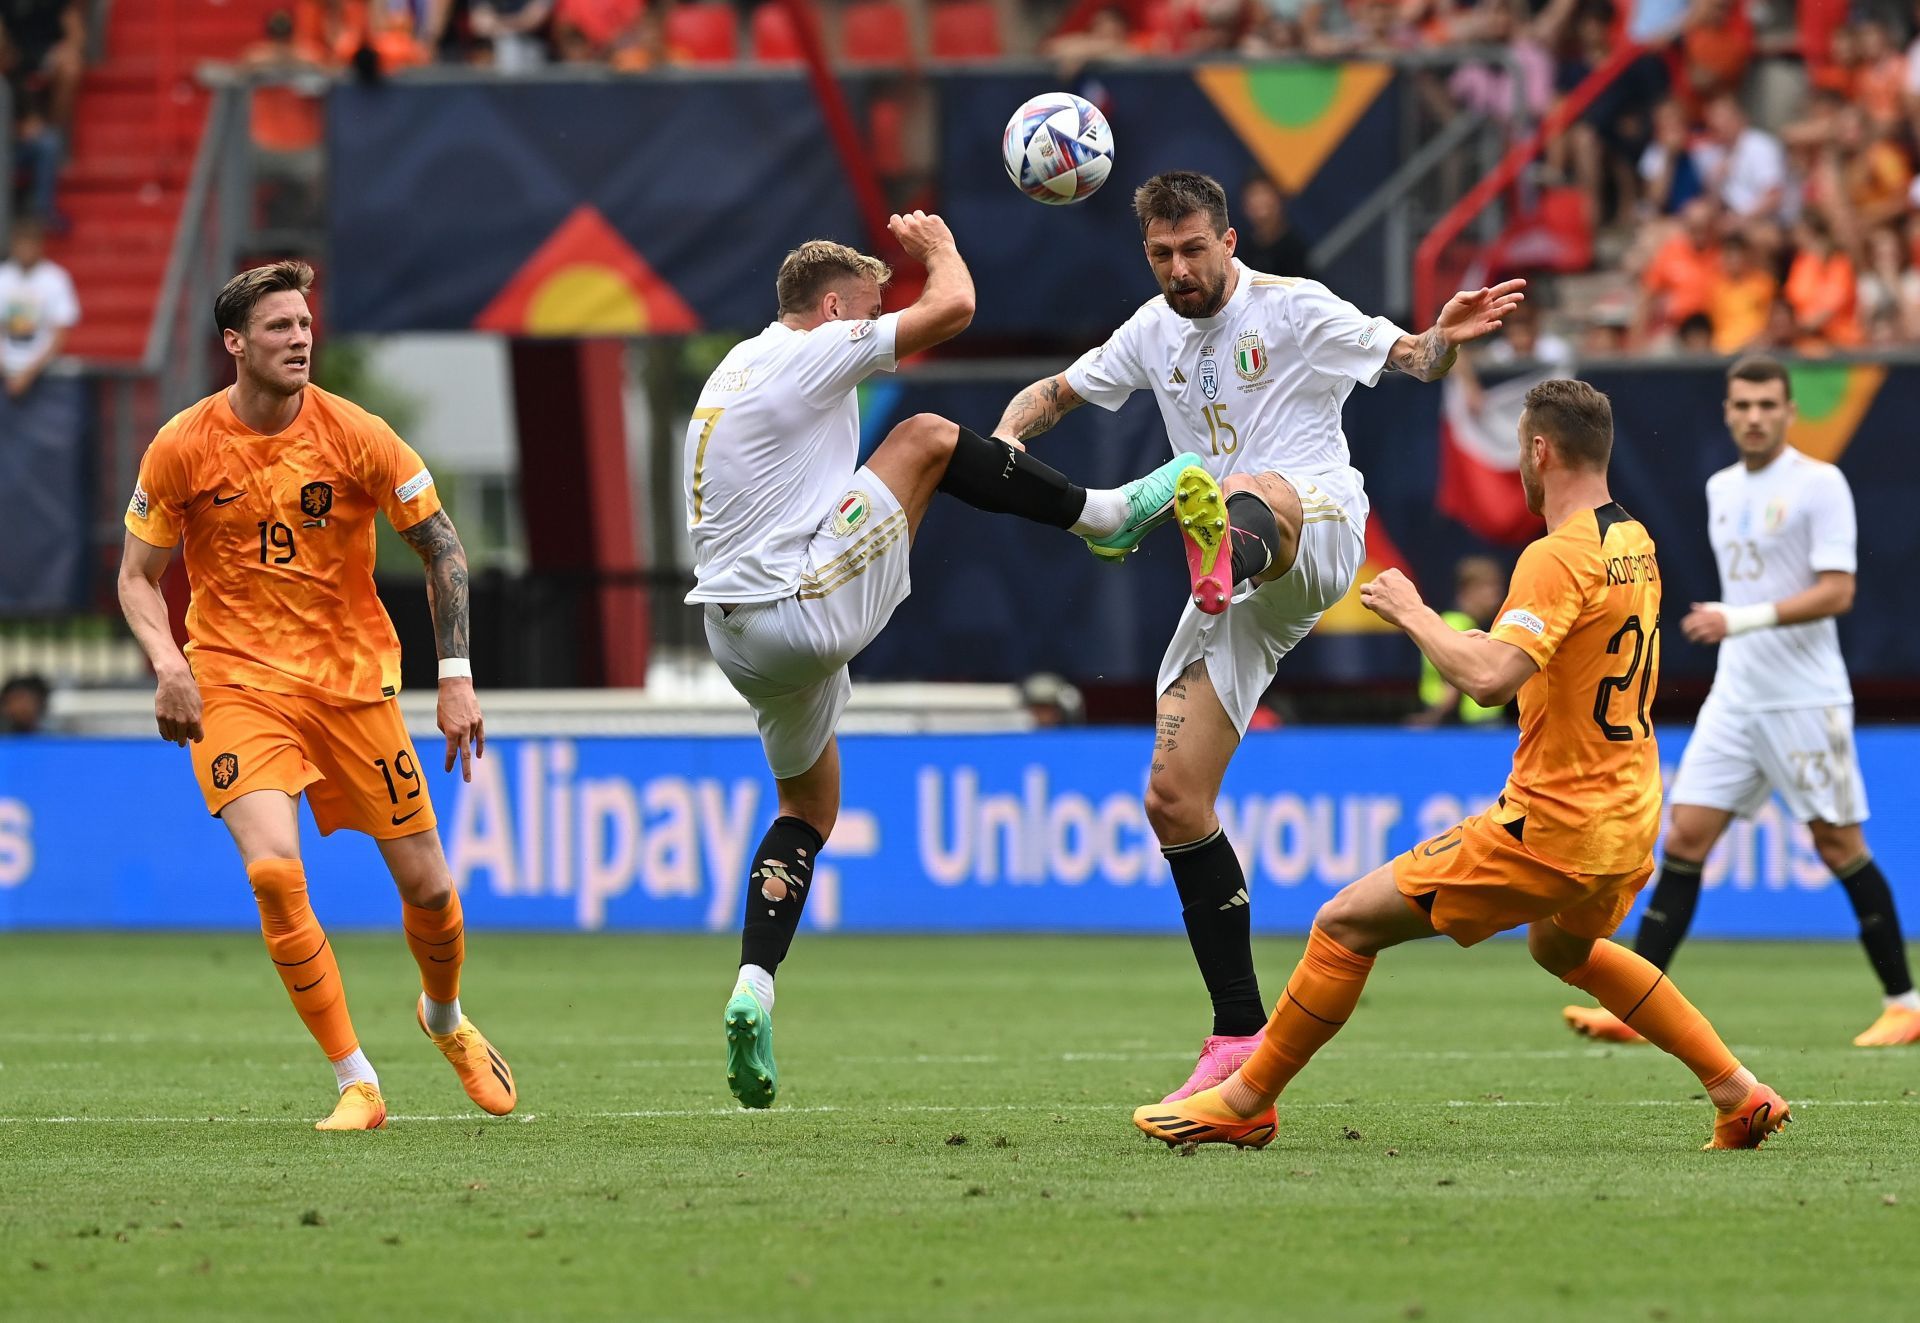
[(1038, 408), (437, 544), (1427, 356)]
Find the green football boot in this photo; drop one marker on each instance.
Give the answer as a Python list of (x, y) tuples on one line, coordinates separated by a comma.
[(1149, 505), (750, 1072)]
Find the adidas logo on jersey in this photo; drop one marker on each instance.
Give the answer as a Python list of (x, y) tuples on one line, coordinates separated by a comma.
[(1178, 378)]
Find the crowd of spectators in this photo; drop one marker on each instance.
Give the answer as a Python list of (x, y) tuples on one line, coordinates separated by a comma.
[(42, 55)]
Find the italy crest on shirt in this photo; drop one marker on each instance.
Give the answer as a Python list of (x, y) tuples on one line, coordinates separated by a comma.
[(1250, 356)]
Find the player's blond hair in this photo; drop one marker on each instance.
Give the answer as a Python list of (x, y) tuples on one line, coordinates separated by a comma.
[(1574, 416), (233, 305), (817, 265)]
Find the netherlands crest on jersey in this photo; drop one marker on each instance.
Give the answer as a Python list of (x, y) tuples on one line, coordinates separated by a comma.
[(1250, 356), (852, 512)]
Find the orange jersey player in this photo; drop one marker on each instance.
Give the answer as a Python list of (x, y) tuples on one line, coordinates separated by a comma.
[(1570, 841), (288, 682)]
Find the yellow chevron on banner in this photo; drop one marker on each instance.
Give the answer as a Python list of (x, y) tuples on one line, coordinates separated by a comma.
[(1292, 116), (1831, 399), (1347, 616)]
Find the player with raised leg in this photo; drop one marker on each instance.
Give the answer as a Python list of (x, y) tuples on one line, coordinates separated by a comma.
[(1252, 370), (1570, 841), (288, 683), (800, 551), (1780, 714)]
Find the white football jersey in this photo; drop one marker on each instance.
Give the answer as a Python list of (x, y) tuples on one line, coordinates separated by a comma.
[(1773, 532), (1256, 388), (772, 445)]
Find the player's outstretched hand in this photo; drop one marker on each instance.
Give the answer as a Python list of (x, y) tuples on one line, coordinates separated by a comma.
[(1391, 596), (920, 234), (176, 708), (458, 715), (1705, 623), (1473, 313)]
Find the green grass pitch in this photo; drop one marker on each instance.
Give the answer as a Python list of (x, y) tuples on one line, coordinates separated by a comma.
[(952, 1142)]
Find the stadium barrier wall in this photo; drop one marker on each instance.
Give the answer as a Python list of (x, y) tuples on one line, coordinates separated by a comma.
[(1039, 832)]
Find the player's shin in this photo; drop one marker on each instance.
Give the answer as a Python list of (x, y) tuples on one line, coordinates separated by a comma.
[(1320, 997), (1880, 935), (302, 955), (1645, 998), (1256, 535), (438, 940), (1218, 916), (991, 475), (1669, 912), (777, 890)]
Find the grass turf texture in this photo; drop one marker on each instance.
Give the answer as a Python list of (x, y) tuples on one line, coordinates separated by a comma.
[(952, 1141)]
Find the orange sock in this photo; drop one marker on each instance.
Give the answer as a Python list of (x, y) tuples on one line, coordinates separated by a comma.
[(1635, 989), (1322, 993), (438, 940), (302, 954)]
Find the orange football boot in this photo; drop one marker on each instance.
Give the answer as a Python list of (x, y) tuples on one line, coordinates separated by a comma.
[(1597, 1022), (1896, 1027), (483, 1072), (360, 1108), (1203, 1119), (1749, 1124)]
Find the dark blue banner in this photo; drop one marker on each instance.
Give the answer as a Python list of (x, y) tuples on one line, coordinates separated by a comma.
[(43, 497), (1041, 832)]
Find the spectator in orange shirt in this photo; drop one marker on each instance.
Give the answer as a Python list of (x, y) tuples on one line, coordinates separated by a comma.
[(1889, 299), (1822, 291), (1880, 86), (1717, 43), (1740, 299), (1675, 283), (1877, 173), (585, 31)]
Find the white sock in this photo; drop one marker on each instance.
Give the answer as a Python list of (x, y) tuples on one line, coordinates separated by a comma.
[(760, 983), (1104, 515), (354, 1068), (1906, 1001), (442, 1017), (1730, 1092)]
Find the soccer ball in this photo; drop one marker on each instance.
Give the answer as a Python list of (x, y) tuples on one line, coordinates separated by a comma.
[(1057, 148)]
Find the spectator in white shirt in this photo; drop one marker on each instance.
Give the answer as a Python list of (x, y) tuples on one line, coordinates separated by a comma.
[(37, 309), (1744, 165)]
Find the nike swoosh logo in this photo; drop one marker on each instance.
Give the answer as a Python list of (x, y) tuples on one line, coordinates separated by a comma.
[(302, 987), (397, 819), (227, 500)]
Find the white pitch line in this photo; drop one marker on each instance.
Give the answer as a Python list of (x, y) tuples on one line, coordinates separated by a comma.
[(685, 1113)]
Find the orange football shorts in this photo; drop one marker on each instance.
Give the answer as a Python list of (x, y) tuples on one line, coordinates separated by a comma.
[(355, 762), (1477, 879)]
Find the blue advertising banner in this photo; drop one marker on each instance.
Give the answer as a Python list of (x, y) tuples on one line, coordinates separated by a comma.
[(1040, 832)]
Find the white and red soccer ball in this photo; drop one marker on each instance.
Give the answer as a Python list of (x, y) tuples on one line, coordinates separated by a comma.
[(1057, 148)]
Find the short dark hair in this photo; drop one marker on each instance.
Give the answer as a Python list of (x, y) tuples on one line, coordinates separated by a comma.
[(1178, 194), (29, 683), (1574, 416), (811, 269), (233, 306), (1760, 369)]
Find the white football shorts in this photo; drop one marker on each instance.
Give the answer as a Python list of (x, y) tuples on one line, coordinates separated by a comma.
[(1736, 759)]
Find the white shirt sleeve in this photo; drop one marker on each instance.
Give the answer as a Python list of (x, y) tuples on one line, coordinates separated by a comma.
[(1831, 524), (837, 356), (1336, 338), (1107, 374), (63, 304)]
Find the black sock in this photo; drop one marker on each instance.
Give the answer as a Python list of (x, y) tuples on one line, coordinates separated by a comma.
[(785, 858), (991, 475), (1669, 911), (1880, 932), (1256, 535), (1219, 923)]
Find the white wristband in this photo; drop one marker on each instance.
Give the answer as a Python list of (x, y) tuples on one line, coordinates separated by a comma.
[(456, 668), (1746, 619)]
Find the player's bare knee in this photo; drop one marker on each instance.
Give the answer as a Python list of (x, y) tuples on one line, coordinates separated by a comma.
[(1556, 950), (1339, 919), (930, 437), (817, 814), (1838, 847), (1177, 816)]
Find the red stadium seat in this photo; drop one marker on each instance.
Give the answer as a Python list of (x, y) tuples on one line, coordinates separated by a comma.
[(965, 30), (775, 41), (703, 33), (876, 32)]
